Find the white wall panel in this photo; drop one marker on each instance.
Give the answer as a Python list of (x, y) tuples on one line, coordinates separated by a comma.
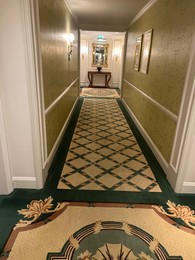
[(14, 90)]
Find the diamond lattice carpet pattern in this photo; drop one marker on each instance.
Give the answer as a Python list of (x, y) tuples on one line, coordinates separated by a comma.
[(104, 154)]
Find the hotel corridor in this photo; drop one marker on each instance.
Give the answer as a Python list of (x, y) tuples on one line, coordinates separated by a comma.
[(103, 163), (97, 123)]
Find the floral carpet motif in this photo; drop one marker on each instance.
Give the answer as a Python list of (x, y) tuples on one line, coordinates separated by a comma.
[(37, 208), (101, 231), (180, 212)]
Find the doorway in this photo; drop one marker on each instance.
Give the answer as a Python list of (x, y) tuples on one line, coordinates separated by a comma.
[(112, 45)]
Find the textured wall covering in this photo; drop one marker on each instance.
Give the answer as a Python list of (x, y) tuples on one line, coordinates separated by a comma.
[(55, 119), (147, 113), (58, 73), (173, 23)]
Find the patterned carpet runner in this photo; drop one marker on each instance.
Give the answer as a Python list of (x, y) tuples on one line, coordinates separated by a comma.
[(104, 154)]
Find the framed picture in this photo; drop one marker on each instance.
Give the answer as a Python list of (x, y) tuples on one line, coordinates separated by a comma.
[(145, 53), (137, 54)]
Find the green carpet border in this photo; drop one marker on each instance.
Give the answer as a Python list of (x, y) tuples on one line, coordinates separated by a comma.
[(56, 167), (59, 160), (19, 198), (110, 196), (152, 161)]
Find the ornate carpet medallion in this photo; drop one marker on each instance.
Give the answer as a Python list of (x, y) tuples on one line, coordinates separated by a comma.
[(112, 240), (99, 92), (104, 154), (101, 231)]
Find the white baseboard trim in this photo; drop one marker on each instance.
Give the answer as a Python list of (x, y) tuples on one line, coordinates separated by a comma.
[(149, 141), (188, 187), (24, 182), (84, 84), (172, 177), (115, 84)]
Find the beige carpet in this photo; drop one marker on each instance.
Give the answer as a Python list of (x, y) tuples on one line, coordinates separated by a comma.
[(99, 92), (104, 154), (83, 231)]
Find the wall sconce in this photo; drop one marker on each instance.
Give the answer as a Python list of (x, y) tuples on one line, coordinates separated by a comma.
[(84, 51), (117, 53), (70, 38), (70, 49)]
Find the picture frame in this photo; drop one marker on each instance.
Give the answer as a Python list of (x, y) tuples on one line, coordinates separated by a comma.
[(137, 54), (146, 50)]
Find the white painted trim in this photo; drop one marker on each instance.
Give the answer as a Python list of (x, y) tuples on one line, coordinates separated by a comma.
[(124, 62), (27, 14), (115, 82), (185, 111), (188, 187), (142, 12), (84, 84), (171, 176), (60, 97), (115, 85), (39, 76), (24, 182), (149, 141), (58, 140), (73, 15), (155, 103), (78, 59), (6, 160), (186, 164)]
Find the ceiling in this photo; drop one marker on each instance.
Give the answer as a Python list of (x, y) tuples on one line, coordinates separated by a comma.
[(105, 15)]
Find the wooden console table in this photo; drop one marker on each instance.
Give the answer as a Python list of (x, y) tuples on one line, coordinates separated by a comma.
[(106, 74)]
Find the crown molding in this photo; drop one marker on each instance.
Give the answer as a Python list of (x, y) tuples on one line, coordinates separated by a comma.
[(70, 11), (143, 10)]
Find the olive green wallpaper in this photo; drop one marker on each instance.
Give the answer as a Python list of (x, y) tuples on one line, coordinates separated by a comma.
[(173, 23), (55, 119), (146, 113), (56, 23)]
